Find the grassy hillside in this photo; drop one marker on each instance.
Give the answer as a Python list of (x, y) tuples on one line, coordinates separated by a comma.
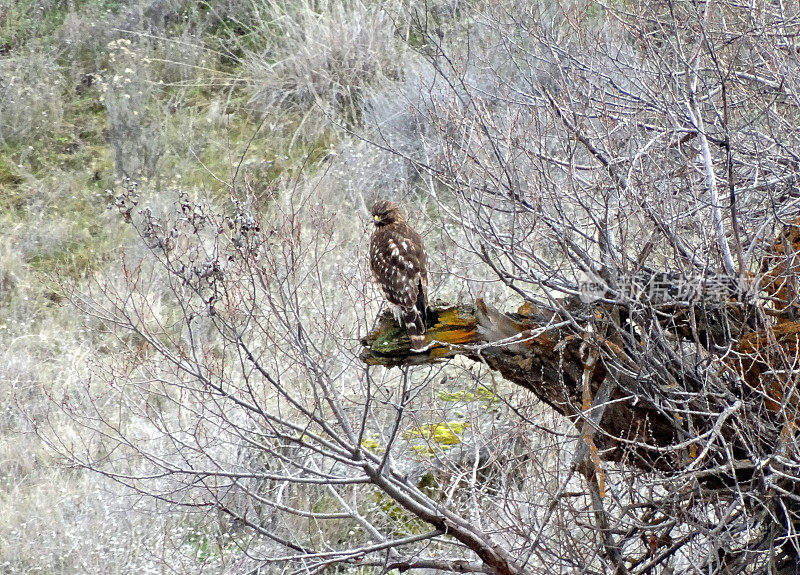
[(185, 285)]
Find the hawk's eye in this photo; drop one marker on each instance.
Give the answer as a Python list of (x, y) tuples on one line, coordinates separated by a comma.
[(376, 217)]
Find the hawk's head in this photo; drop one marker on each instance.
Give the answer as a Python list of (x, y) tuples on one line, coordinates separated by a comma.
[(385, 212)]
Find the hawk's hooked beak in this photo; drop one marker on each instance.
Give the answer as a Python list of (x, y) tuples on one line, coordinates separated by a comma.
[(377, 218)]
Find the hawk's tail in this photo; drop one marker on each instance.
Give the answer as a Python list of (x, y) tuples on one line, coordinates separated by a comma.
[(416, 319), (415, 326)]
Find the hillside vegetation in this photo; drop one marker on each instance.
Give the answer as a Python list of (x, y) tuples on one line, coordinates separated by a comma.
[(192, 347)]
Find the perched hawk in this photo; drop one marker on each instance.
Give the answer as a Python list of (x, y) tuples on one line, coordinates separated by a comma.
[(398, 261)]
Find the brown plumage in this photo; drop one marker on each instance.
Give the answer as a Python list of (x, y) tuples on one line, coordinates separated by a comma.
[(398, 261)]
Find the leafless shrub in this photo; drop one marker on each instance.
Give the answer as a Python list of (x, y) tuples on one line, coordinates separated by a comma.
[(152, 16), (297, 450), (181, 60), (576, 143), (82, 41)]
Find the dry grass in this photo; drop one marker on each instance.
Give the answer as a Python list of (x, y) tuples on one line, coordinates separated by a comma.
[(319, 59)]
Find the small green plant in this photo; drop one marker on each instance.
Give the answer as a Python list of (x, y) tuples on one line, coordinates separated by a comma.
[(404, 522), (488, 399)]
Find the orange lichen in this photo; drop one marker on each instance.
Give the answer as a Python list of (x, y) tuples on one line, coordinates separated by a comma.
[(781, 268), (453, 328), (766, 360)]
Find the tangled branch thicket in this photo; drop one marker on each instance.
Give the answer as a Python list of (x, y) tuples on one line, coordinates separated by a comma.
[(629, 171)]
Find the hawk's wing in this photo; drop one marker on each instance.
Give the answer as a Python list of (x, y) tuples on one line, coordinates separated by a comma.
[(397, 258)]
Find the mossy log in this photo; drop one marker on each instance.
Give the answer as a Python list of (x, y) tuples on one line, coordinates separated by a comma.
[(388, 343), (535, 350)]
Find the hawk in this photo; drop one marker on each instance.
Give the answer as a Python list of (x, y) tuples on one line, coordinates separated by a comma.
[(398, 262)]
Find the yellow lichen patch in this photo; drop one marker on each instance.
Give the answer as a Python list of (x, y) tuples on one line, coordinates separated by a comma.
[(600, 472), (445, 433), (527, 309), (454, 336), (372, 445), (422, 450), (388, 343)]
